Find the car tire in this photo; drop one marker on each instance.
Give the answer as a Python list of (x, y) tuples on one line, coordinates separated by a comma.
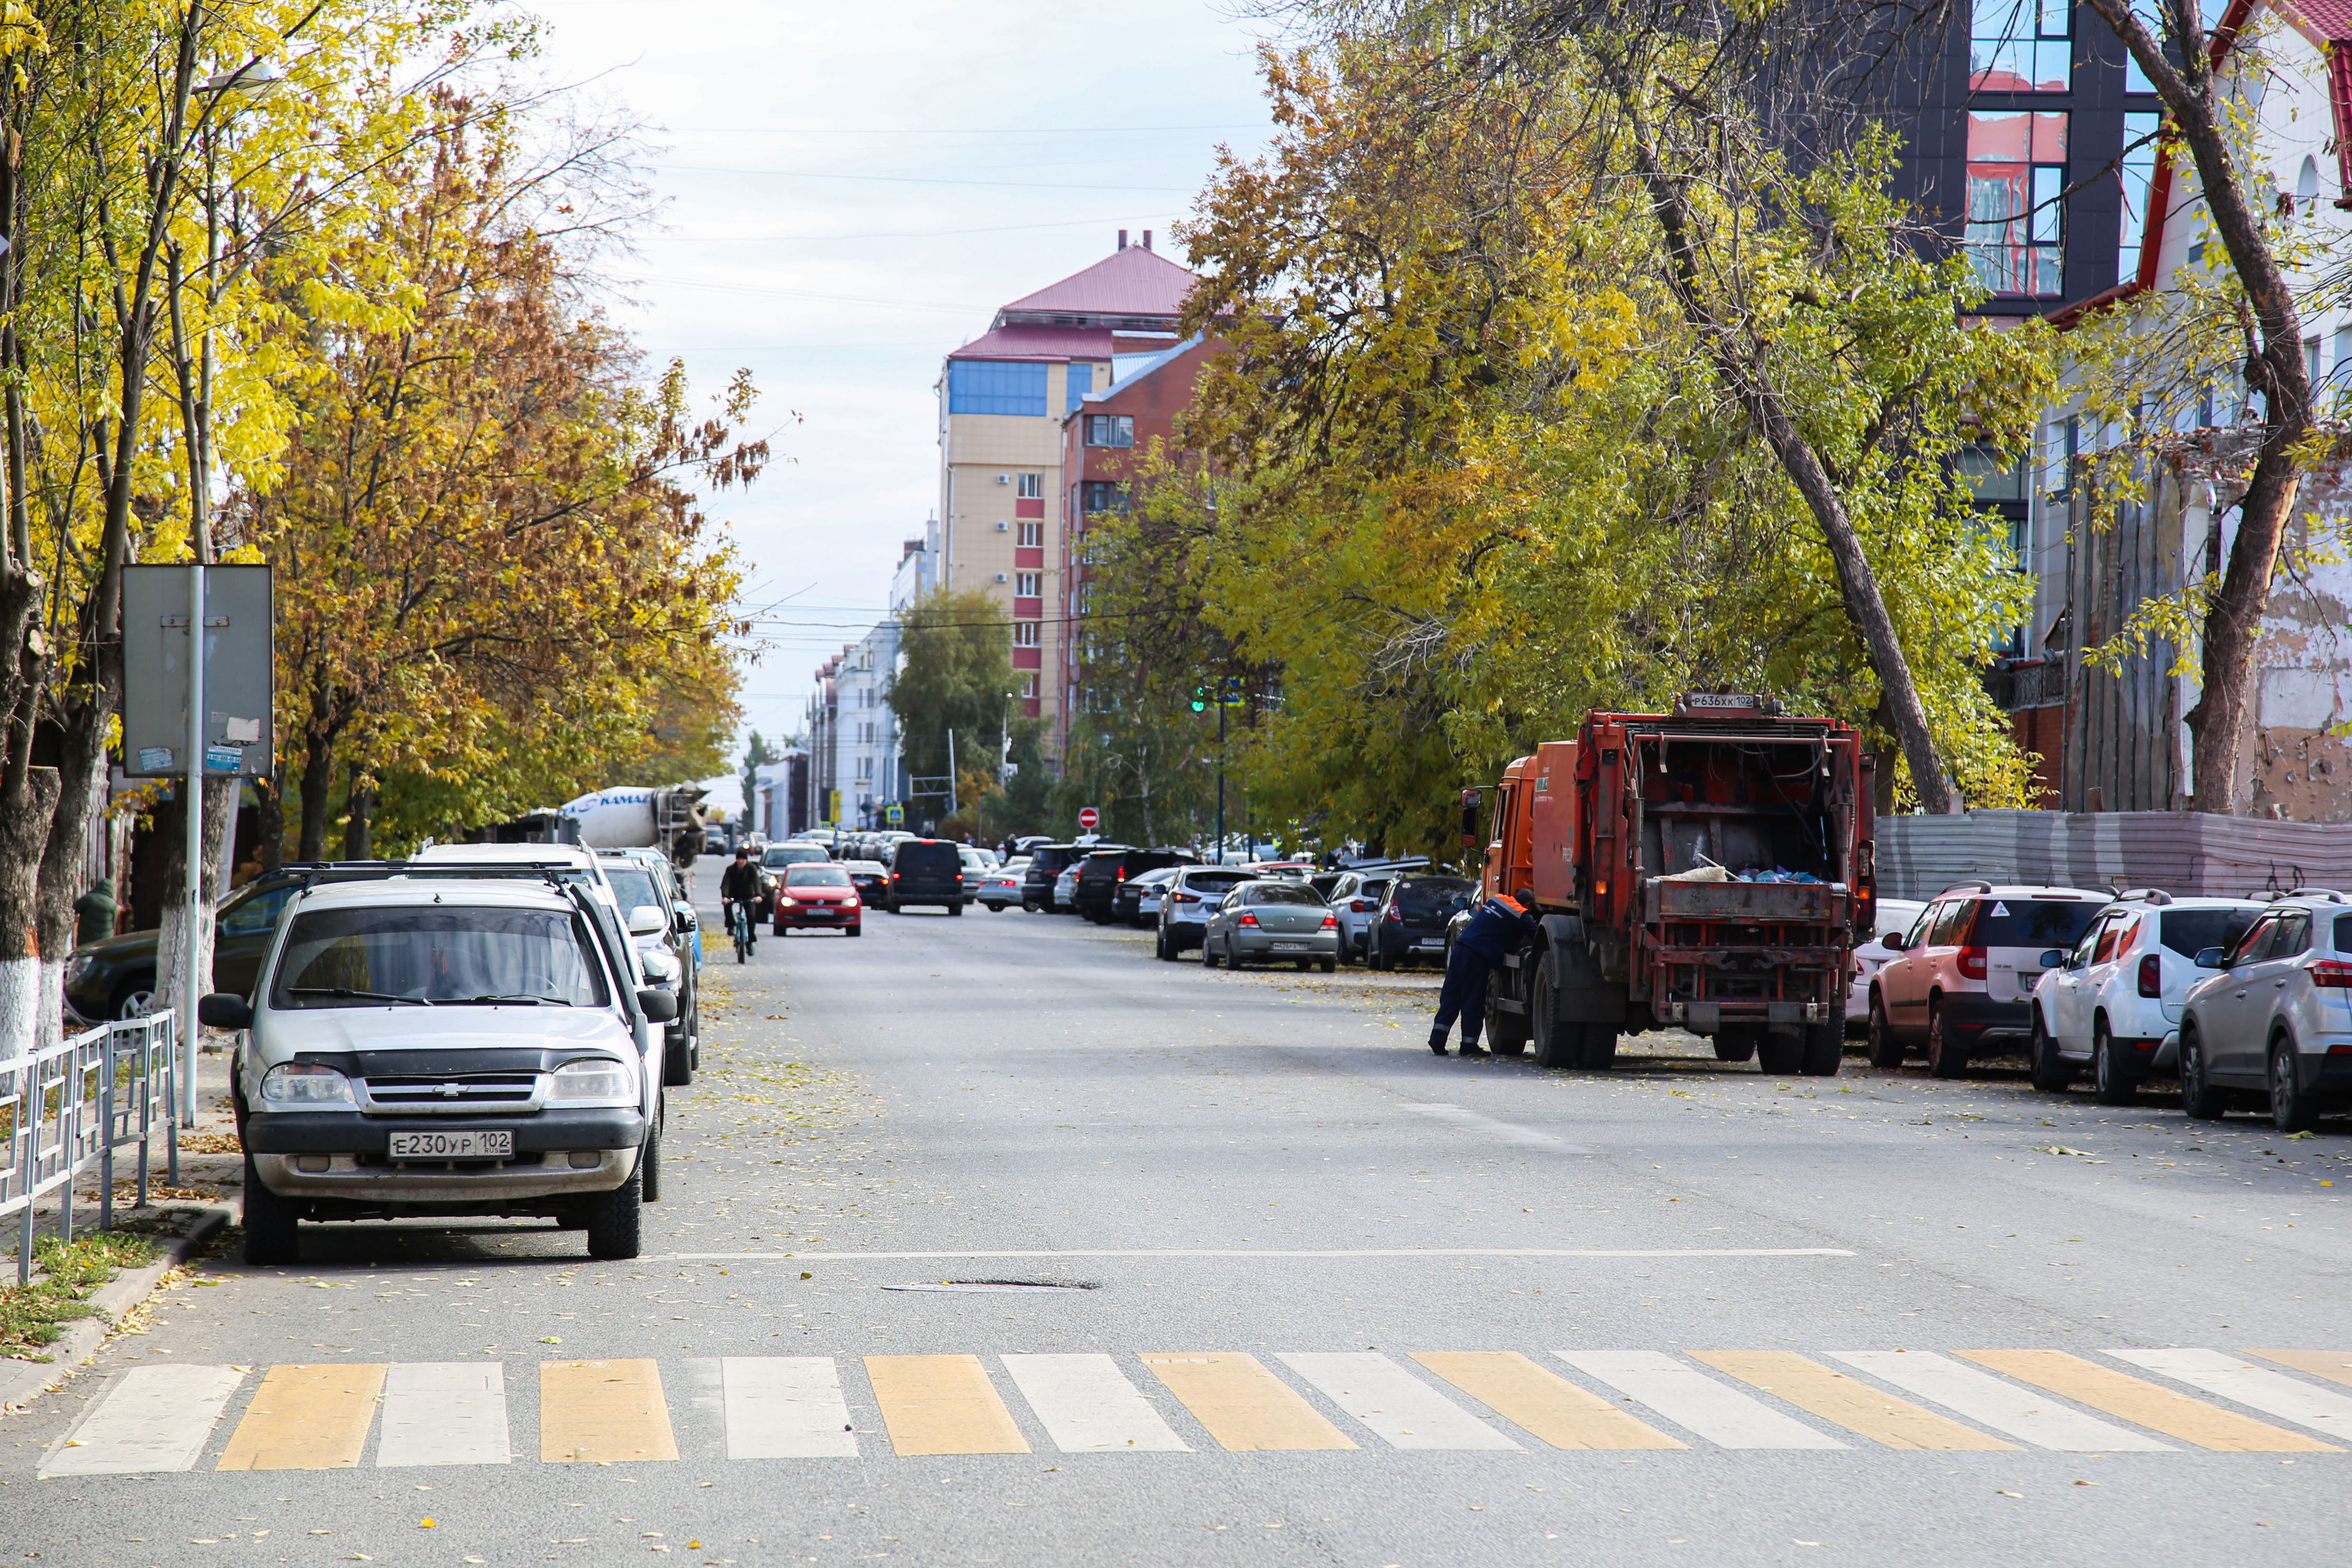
[(858, 930), (1735, 1043), (1028, 906), (1375, 960), (1947, 1058), (133, 997), (677, 1069), (1208, 954), (2111, 1082), (777, 930), (1824, 1050), (1885, 1050), (1598, 1050), (2051, 1073), (1780, 1055), (2292, 1111), (2200, 1100), (1160, 950), (649, 1165), (272, 1223), (616, 1220), (955, 908), (1328, 965)]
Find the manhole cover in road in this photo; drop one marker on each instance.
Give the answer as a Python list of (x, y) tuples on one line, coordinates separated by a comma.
[(991, 1287)]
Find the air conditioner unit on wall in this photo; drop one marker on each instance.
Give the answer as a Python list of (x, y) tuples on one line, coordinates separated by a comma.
[(1003, 528), (1002, 578), (1005, 479)]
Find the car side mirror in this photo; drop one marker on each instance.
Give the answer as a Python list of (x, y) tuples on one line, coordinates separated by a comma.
[(1892, 942), (658, 1005), (686, 915), (2210, 958), (224, 1010), (646, 920), (2051, 957)]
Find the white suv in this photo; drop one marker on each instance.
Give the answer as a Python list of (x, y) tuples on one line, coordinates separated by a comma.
[(2112, 1003), (428, 1044), (2276, 1022)]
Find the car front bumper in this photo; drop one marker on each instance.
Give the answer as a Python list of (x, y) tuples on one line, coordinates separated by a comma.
[(352, 1146), (817, 920)]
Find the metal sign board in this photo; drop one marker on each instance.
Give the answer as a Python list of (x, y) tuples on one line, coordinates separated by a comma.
[(1089, 818), (894, 814), (241, 671)]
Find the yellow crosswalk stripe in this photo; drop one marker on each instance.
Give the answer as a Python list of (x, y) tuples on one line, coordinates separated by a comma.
[(2334, 1365), (1849, 1401), (1542, 1402), (1244, 1406), (2157, 1408), (307, 1417), (602, 1412), (942, 1405)]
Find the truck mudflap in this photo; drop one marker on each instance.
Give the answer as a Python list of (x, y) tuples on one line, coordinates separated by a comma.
[(1581, 993)]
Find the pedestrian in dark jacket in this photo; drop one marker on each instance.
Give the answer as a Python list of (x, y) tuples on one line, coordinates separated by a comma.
[(1501, 926), (94, 912), (739, 884)]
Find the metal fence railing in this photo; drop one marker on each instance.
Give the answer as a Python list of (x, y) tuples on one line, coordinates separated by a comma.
[(69, 1106)]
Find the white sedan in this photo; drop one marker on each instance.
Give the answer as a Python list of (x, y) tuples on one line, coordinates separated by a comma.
[(1891, 917), (1003, 886)]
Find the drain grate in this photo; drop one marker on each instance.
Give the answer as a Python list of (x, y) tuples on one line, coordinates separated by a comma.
[(994, 1287)]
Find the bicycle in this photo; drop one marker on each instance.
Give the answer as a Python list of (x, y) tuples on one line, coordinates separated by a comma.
[(738, 921)]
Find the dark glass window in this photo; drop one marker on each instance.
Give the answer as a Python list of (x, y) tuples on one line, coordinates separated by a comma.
[(2017, 167)]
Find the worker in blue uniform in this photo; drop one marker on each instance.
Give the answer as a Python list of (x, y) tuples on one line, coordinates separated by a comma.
[(1501, 926)]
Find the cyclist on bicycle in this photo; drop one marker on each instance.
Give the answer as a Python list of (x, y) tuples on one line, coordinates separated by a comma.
[(739, 884)]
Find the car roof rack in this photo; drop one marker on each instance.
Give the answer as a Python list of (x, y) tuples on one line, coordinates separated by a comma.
[(2155, 895), (2330, 894), (330, 871), (1978, 886)]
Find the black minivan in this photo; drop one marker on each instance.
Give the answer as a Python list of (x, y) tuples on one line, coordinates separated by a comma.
[(926, 871)]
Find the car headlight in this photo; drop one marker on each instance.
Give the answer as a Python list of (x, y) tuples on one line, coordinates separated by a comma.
[(305, 1084), (660, 964), (594, 1080), (80, 966)]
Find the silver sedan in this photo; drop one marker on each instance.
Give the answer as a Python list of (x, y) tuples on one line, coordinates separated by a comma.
[(1270, 920)]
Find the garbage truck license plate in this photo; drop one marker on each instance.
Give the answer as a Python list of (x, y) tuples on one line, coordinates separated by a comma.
[(452, 1145)]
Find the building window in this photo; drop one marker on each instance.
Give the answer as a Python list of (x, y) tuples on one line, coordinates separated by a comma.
[(1992, 475), (1029, 487), (2020, 46), (1026, 633), (1081, 382), (1102, 495), (1110, 430), (1027, 584), (995, 387), (1033, 535), (2138, 171), (2017, 167), (1030, 684)]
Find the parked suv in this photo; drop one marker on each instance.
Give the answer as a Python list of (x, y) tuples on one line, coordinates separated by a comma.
[(670, 957), (1184, 911), (433, 1045), (1962, 977), (1415, 913), (2277, 1021), (926, 871), (1096, 895), (2113, 1003), (1047, 861)]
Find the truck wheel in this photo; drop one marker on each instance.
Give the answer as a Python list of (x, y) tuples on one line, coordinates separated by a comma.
[(1885, 1050), (1507, 1032), (1824, 1050), (1782, 1056), (1558, 1045), (1735, 1043), (271, 1223), (1600, 1046), (616, 1221), (1947, 1058)]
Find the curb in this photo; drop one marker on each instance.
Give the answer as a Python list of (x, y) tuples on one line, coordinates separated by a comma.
[(24, 1381)]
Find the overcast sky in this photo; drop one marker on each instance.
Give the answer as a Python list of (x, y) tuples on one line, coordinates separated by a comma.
[(851, 193)]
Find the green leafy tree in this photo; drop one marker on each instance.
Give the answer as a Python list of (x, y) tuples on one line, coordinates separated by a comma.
[(955, 675)]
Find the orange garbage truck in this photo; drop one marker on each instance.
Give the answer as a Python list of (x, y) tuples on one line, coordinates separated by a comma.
[(1708, 869)]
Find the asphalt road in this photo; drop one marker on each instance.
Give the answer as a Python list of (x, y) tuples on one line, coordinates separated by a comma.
[(1322, 1298)]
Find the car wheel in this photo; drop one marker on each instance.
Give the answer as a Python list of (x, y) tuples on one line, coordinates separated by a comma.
[(1824, 1048), (2292, 1111), (616, 1220), (1303, 964), (1735, 1043), (2051, 1073), (1330, 966), (1028, 906), (955, 908), (1374, 958), (271, 1223), (678, 1071), (858, 930), (649, 1164), (2111, 1082), (2200, 1099), (135, 998), (1780, 1055), (1885, 1050), (1947, 1058), (1208, 954)]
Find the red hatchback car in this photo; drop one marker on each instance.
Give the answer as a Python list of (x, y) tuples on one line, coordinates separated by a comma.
[(818, 897)]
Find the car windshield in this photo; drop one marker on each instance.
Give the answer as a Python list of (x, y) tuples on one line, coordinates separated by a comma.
[(791, 855), (817, 877), (437, 953), (632, 885), (1280, 893), (2189, 932), (2032, 922)]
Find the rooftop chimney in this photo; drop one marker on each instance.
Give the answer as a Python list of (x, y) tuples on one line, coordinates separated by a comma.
[(1147, 239), (1122, 239)]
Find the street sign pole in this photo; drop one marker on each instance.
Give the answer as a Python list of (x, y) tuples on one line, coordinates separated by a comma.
[(192, 983)]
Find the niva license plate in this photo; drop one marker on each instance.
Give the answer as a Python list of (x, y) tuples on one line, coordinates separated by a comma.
[(452, 1145)]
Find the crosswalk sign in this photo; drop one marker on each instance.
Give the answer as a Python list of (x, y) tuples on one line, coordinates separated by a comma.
[(894, 814)]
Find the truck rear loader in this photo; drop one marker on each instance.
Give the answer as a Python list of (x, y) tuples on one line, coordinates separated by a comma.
[(1707, 870)]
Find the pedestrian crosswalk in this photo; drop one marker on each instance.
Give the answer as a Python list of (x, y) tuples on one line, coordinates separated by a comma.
[(343, 1415)]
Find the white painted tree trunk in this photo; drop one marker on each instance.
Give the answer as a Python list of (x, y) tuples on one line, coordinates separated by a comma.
[(51, 1027), (172, 945), (20, 1008)]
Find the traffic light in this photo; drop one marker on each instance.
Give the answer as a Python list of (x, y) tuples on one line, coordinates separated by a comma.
[(1199, 700)]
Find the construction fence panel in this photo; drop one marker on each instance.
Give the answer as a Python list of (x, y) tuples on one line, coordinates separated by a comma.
[(2184, 853)]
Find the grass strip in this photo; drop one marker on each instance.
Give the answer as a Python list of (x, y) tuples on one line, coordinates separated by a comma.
[(31, 1315)]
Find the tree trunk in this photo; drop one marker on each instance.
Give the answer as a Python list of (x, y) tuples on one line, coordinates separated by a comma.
[(269, 814), (81, 757), (359, 828), (26, 807), (318, 780)]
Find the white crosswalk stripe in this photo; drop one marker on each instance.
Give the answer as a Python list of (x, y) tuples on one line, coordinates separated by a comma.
[(153, 1418), (2258, 1388), (1401, 1408), (443, 1412), (786, 1407), (2009, 1408), (1689, 1398), (1089, 1406)]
